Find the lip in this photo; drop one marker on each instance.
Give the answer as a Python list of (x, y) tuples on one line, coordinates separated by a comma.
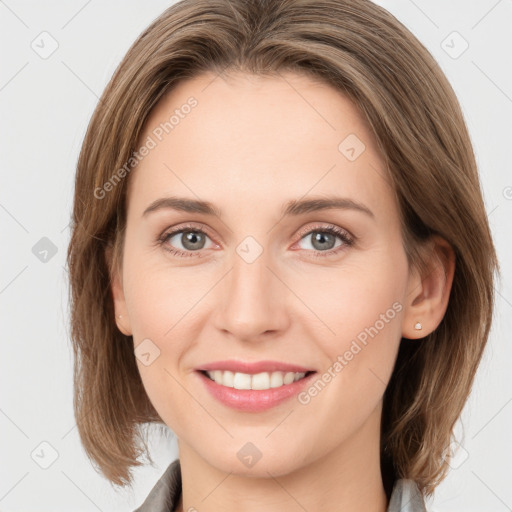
[(251, 368), (254, 400)]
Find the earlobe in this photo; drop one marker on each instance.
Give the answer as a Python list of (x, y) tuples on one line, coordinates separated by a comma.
[(116, 287), (428, 294), (121, 325)]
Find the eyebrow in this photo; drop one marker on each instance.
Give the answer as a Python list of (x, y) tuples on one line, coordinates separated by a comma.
[(293, 207)]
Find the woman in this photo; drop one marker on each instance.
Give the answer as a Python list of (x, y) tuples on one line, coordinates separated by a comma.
[(236, 139)]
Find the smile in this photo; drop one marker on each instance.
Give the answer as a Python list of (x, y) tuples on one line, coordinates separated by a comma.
[(253, 386), (258, 381)]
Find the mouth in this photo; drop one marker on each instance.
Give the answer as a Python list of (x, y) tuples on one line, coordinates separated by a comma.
[(253, 387), (258, 381)]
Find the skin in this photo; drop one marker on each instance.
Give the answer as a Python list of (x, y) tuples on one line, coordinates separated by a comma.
[(249, 146)]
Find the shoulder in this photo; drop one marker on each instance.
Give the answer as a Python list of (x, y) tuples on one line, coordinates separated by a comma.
[(165, 494), (406, 497)]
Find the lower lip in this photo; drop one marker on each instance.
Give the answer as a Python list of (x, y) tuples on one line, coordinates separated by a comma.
[(254, 400)]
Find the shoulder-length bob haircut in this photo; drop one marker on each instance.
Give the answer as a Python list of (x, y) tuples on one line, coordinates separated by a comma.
[(368, 55)]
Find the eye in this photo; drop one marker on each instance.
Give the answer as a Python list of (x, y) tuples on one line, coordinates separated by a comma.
[(189, 240), (185, 241), (322, 240)]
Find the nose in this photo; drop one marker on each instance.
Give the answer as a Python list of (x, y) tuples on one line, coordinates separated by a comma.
[(252, 301)]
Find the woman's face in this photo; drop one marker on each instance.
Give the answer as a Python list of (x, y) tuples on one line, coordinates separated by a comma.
[(264, 279)]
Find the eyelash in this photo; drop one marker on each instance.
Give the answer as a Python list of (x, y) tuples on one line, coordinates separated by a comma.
[(347, 239)]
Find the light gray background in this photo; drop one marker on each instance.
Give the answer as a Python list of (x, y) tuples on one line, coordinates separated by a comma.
[(46, 104)]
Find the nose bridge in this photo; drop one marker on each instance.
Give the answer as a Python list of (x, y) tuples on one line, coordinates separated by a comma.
[(252, 298)]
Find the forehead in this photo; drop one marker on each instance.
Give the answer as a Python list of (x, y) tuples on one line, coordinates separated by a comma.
[(263, 138)]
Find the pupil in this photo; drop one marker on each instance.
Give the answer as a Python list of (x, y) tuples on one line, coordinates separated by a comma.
[(191, 239), (321, 238)]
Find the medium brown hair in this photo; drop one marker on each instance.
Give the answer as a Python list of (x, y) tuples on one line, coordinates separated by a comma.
[(368, 55)]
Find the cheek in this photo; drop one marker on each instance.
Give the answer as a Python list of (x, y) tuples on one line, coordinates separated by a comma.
[(161, 327), (361, 310), (356, 297), (160, 298), (160, 303)]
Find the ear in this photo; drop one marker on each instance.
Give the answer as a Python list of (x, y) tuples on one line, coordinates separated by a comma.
[(116, 286), (428, 293)]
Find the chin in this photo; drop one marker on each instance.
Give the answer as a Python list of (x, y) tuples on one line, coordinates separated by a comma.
[(248, 460)]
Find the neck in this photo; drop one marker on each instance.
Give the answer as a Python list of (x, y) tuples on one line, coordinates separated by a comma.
[(347, 478)]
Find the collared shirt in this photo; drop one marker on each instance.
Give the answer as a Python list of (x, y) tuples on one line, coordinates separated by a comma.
[(165, 495)]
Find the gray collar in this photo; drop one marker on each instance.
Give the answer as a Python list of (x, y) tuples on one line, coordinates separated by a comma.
[(165, 495)]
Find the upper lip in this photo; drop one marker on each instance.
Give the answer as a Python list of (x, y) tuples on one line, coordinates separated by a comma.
[(253, 367)]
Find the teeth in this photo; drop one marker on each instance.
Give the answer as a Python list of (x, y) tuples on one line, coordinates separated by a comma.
[(227, 377), (276, 379), (242, 381), (264, 380), (260, 381), (289, 378)]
